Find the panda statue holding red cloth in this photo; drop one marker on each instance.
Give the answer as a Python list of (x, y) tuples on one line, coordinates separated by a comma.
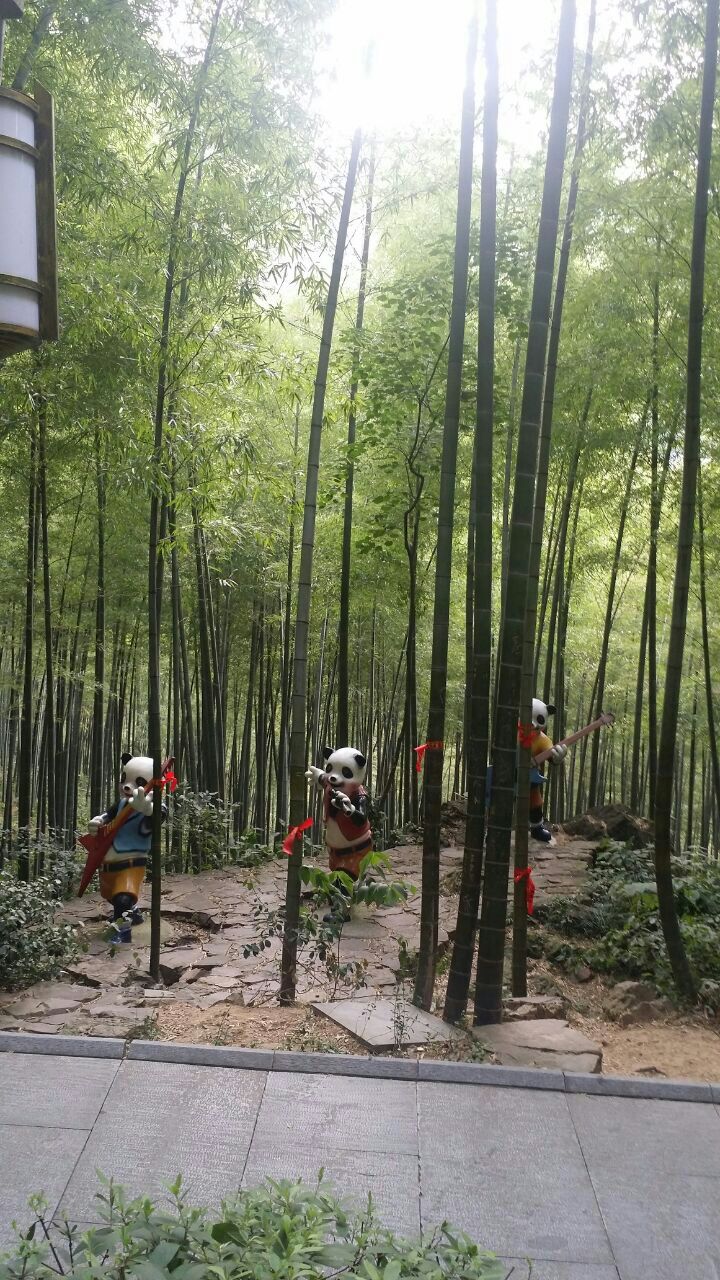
[(348, 837)]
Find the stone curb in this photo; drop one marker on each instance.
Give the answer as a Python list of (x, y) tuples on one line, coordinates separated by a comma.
[(346, 1064), (500, 1077), (638, 1087), (203, 1055), (61, 1046), (370, 1067)]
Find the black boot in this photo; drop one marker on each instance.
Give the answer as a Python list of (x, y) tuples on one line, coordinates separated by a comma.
[(123, 909), (339, 911)]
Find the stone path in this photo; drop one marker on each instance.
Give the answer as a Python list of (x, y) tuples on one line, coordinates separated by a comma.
[(208, 921), (575, 1186), (560, 868)]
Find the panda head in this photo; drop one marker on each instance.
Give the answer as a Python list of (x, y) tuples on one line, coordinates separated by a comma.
[(345, 765), (541, 712), (136, 772)]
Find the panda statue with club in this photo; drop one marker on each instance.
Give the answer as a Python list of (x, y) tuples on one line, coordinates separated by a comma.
[(348, 838), (538, 742), (123, 868)]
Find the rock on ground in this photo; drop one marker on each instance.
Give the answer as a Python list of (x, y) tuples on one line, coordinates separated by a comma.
[(632, 1002), (381, 1023), (541, 1042), (615, 821), (523, 1008)]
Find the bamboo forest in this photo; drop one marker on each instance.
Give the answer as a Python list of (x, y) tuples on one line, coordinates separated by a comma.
[(361, 491)]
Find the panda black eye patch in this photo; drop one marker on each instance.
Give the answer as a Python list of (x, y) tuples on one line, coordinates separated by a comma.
[(347, 773), (140, 782)]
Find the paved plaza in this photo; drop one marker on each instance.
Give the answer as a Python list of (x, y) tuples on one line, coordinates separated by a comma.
[(564, 1180)]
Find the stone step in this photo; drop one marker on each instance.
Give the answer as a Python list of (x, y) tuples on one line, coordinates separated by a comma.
[(541, 1042)]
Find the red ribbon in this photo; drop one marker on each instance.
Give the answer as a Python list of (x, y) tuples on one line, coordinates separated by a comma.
[(420, 752), (526, 873), (292, 835), (526, 734), (169, 779)]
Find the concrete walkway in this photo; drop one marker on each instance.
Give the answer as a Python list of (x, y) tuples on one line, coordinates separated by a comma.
[(561, 1179)]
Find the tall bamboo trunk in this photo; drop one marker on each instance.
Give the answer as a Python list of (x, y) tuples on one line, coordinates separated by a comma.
[(652, 551), (50, 732), (610, 613), (636, 772), (690, 830), (25, 770), (556, 604), (479, 671), (210, 769), (281, 812), (683, 977), (96, 756), (530, 650), (260, 728), (707, 667), (425, 979), (488, 995), (298, 790), (411, 530), (344, 622), (154, 556)]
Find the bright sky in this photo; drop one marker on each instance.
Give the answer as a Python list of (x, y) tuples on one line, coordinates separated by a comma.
[(419, 56)]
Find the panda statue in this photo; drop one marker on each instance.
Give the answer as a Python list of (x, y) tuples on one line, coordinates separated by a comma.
[(122, 871), (348, 838), (539, 741)]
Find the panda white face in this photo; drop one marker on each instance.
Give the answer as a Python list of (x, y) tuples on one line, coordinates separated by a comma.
[(137, 772), (344, 766), (541, 712)]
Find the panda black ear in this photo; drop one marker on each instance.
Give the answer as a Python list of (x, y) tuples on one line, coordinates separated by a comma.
[(327, 752), (551, 709), (126, 755), (360, 760)]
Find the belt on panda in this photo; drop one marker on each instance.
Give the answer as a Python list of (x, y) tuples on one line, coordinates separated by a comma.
[(354, 849), (124, 864)]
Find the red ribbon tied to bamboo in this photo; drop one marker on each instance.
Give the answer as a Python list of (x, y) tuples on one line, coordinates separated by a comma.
[(420, 752), (526, 734), (526, 874), (292, 835), (169, 779)]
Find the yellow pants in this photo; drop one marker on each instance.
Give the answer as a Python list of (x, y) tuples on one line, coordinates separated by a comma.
[(127, 880)]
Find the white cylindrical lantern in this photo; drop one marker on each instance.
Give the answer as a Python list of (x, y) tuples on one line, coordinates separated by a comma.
[(27, 221)]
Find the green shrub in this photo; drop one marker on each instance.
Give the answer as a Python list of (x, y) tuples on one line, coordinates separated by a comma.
[(47, 855), (616, 920), (318, 936), (282, 1231), (32, 946), (206, 826)]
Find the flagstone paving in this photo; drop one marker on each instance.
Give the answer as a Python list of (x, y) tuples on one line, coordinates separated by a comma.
[(561, 1184), (208, 921)]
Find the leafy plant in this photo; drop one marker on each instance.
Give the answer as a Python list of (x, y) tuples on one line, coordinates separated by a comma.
[(614, 923), (319, 937), (32, 946), (49, 855), (207, 823), (249, 851), (281, 1231)]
